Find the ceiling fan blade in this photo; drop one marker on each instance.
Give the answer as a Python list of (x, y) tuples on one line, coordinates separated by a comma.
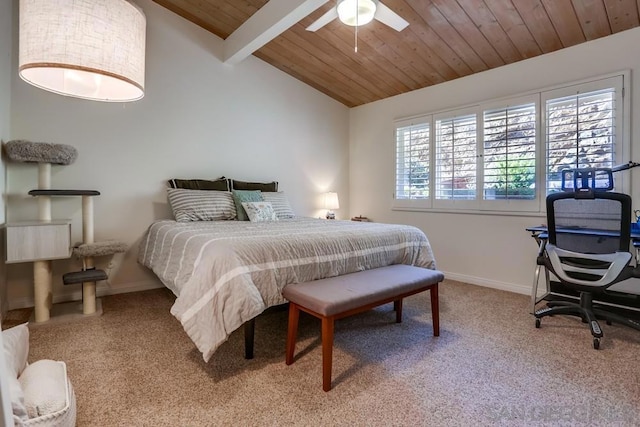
[(323, 20), (390, 18)]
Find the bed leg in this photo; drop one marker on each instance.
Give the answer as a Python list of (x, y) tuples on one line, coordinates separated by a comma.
[(249, 330)]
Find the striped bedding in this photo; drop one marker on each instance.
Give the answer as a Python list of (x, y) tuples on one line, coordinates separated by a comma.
[(225, 273)]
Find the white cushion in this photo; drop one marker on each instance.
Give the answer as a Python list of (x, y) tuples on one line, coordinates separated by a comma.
[(16, 350), (259, 211), (45, 387)]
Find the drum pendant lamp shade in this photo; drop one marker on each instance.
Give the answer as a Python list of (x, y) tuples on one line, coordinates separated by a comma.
[(90, 49)]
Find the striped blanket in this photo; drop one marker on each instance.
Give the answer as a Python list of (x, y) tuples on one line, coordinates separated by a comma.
[(225, 273)]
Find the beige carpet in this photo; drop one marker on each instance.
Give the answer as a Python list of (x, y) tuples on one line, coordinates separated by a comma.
[(135, 366)]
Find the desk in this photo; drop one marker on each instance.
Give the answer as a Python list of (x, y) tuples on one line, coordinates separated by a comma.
[(617, 296)]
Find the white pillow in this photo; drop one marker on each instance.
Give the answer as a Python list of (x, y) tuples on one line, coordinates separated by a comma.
[(259, 211), (16, 350), (201, 205), (45, 387), (280, 204)]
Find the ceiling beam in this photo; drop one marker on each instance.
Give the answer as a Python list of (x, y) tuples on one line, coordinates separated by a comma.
[(267, 23)]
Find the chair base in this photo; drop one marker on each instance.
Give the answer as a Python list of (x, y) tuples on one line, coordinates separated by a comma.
[(589, 314)]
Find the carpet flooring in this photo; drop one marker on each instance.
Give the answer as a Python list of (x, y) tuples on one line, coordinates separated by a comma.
[(135, 366)]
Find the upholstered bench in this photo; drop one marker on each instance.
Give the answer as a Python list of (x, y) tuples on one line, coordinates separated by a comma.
[(341, 296)]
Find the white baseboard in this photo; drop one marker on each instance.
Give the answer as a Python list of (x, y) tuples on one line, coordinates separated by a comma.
[(102, 290), (510, 287)]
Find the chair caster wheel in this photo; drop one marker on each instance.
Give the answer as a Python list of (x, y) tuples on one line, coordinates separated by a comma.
[(537, 323), (596, 343)]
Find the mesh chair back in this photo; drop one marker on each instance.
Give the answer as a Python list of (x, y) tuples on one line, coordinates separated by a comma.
[(605, 212)]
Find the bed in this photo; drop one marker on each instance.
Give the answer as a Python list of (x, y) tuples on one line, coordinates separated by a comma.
[(225, 273)]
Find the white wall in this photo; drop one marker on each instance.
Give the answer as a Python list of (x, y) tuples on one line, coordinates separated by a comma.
[(6, 43), (482, 249), (199, 119)]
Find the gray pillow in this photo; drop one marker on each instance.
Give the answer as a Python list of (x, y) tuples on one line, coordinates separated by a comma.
[(280, 204), (201, 205)]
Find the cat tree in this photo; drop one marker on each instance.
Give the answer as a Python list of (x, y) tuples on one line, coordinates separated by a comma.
[(44, 240)]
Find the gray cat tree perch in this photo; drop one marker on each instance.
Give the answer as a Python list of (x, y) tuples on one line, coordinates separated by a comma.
[(33, 242)]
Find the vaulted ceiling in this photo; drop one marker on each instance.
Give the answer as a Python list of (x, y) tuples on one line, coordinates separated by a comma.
[(445, 40)]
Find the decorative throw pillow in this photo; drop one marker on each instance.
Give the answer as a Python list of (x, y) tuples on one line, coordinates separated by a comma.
[(201, 205), (45, 387), (260, 211), (262, 186), (280, 204), (240, 196), (220, 184)]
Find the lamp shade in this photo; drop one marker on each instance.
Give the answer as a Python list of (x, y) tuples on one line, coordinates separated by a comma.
[(331, 201), (356, 12), (90, 49)]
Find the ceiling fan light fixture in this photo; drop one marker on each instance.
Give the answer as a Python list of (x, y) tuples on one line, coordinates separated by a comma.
[(356, 12)]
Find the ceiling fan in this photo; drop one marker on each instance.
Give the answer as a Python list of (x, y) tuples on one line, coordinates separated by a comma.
[(359, 12)]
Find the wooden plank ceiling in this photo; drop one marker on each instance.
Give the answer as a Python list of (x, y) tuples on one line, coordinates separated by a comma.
[(445, 40)]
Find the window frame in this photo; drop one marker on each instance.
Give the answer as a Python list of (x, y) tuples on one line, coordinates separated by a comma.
[(458, 204), (536, 206), (407, 203)]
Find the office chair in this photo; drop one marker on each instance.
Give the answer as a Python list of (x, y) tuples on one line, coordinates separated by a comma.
[(588, 251)]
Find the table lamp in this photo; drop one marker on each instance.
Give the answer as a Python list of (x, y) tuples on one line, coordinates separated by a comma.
[(331, 203)]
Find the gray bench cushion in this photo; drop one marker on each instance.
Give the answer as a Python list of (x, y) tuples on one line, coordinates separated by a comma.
[(335, 295)]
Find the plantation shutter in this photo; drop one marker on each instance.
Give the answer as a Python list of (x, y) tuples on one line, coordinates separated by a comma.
[(509, 153), (456, 158), (580, 132), (412, 161)]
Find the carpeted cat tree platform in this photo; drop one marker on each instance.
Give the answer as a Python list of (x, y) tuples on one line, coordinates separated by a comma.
[(45, 155)]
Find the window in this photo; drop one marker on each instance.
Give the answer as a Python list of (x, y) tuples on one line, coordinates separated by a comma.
[(412, 161), (507, 155), (456, 157), (580, 129)]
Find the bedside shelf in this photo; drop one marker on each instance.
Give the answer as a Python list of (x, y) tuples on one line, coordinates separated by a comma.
[(64, 193)]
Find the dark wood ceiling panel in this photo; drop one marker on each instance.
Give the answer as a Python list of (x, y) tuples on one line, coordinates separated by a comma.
[(487, 23), (539, 24), (593, 18), (434, 44), (509, 18), (623, 14), (445, 40), (564, 20), (432, 16), (458, 18)]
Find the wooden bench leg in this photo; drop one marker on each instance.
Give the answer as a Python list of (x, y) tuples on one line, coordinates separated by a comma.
[(292, 331), (435, 310), (327, 352), (397, 306)]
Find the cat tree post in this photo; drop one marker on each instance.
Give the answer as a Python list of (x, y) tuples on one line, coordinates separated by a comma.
[(42, 270), (88, 288)]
